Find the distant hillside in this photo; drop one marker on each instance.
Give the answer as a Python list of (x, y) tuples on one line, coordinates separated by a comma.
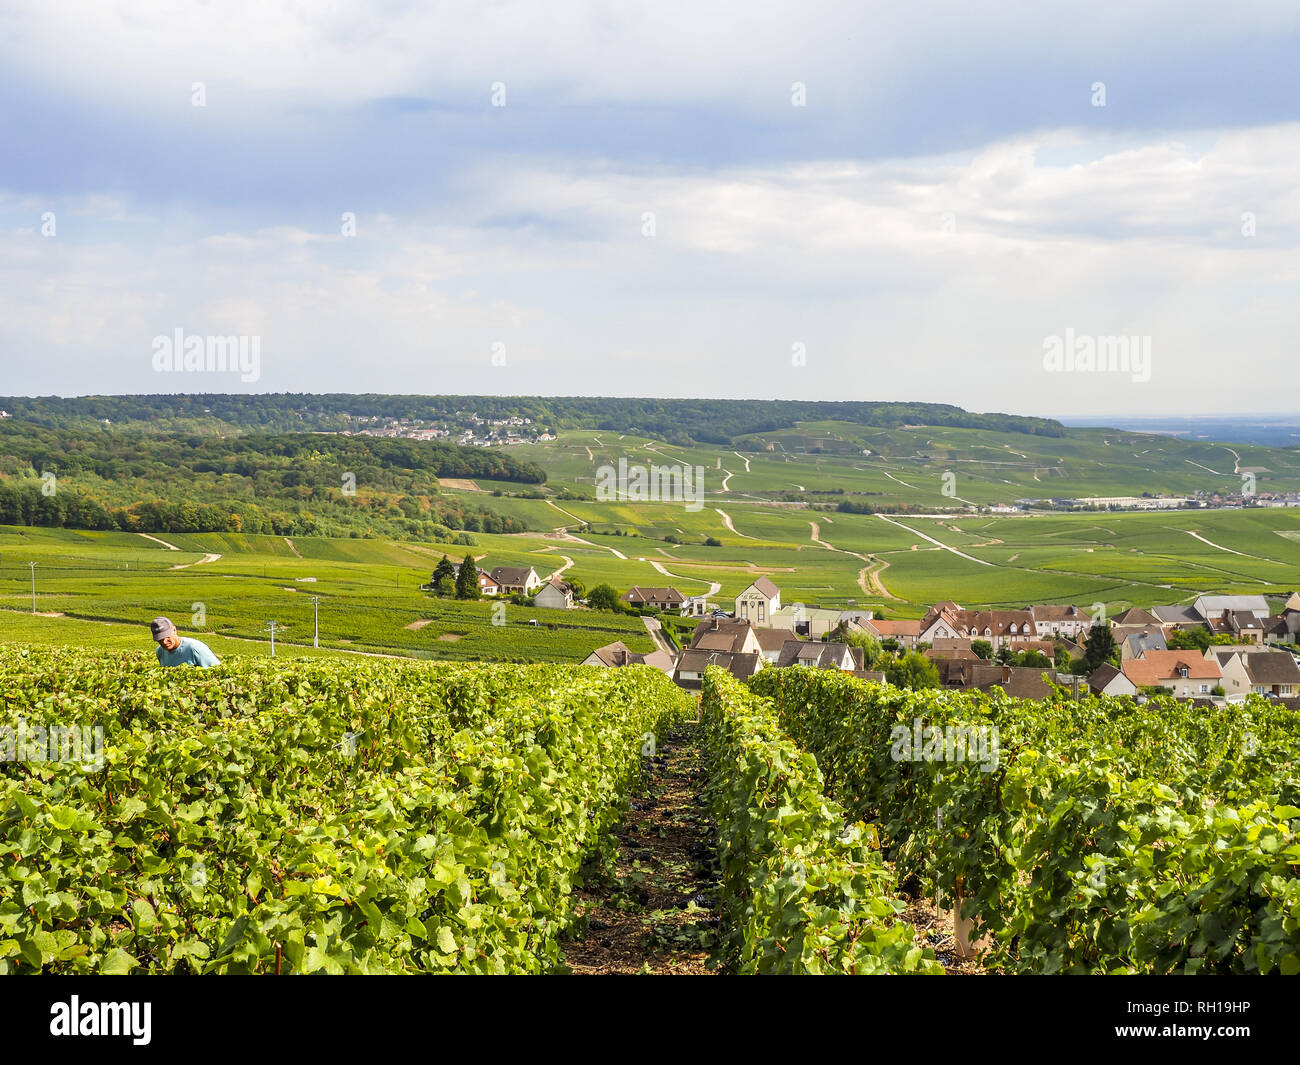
[(290, 483), (680, 421)]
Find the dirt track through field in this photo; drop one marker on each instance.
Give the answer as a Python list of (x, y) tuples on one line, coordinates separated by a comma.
[(655, 911), (937, 543), (869, 580), (1230, 551), (726, 520), (555, 573), (209, 557), (714, 586)]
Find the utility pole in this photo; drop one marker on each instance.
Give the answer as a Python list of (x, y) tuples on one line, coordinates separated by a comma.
[(315, 610), (33, 565), (272, 626)]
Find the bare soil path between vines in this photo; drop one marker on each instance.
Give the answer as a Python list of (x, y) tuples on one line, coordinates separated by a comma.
[(656, 912)]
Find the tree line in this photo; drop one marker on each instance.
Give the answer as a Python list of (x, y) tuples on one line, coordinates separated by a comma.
[(678, 421), (298, 484)]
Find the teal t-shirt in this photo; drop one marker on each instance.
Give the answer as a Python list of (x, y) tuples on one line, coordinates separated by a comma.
[(189, 653)]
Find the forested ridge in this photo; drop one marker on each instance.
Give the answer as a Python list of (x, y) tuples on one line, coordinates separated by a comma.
[(681, 421), (300, 483)]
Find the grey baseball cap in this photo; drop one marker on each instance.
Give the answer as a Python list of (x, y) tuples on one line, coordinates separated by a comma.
[(162, 628)]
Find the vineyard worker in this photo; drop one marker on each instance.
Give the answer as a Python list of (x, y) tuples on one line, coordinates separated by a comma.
[(177, 650)]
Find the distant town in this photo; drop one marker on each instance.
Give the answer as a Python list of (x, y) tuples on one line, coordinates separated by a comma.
[(465, 427)]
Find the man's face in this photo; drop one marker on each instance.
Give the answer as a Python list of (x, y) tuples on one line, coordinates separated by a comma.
[(171, 642)]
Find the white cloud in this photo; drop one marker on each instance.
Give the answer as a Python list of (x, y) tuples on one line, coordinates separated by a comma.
[(848, 257)]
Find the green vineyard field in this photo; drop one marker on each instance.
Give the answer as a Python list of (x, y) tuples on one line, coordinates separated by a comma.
[(312, 817), (804, 892), (1104, 837)]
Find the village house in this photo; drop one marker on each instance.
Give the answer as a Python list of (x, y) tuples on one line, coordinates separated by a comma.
[(1135, 617), (770, 642), (1136, 643), (697, 606), (554, 594), (953, 643), (1208, 606), (1068, 621), (486, 585), (1285, 628), (1244, 626), (758, 602), (813, 622), (998, 627), (819, 655), (962, 652), (1186, 673), (692, 663), (726, 634), (1123, 633), (941, 623), (1178, 617), (1074, 650), (516, 580), (1019, 682), (1107, 680), (1246, 670), (653, 598), (1047, 648), (907, 633), (616, 654)]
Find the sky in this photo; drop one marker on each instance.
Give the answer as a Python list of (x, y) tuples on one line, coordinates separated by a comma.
[(1028, 207)]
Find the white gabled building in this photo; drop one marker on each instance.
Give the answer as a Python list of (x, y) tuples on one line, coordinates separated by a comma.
[(758, 602)]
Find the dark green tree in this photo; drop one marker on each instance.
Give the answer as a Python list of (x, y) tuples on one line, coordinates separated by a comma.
[(1099, 646), (982, 648), (444, 577), (467, 578), (1197, 639), (913, 670), (603, 597)]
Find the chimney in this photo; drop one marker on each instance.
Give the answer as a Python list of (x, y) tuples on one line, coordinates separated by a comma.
[(714, 626), (1006, 674)]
